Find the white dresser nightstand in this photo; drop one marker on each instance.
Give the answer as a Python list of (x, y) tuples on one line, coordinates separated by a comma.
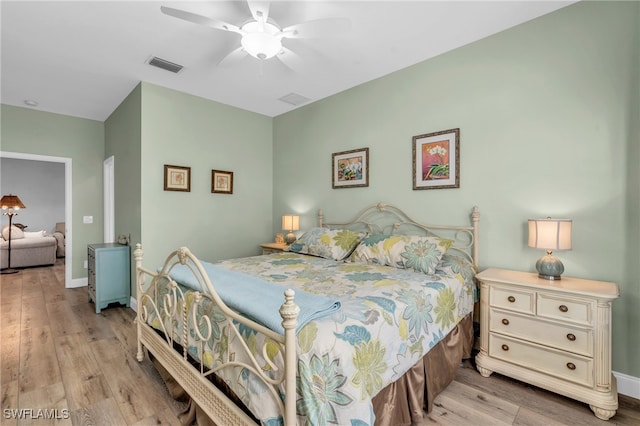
[(552, 334), (268, 248)]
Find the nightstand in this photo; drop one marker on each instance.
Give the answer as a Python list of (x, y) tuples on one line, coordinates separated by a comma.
[(108, 274), (552, 334), (268, 248)]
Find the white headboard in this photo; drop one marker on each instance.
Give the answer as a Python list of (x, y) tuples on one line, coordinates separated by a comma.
[(384, 218)]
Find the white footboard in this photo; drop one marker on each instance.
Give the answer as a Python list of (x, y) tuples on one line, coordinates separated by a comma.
[(170, 308)]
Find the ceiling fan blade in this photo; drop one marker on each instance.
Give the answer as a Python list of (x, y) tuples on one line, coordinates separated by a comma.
[(199, 19), (290, 59), (318, 28), (259, 10), (233, 58)]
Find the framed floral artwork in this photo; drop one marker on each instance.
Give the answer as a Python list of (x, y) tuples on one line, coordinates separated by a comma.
[(436, 160), (221, 182), (177, 178), (350, 168)]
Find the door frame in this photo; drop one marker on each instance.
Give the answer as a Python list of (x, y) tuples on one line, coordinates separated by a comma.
[(68, 213), (109, 200)]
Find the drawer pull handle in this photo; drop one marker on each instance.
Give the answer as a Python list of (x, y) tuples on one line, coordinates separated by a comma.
[(571, 337), (505, 321), (571, 366), (505, 347), (563, 308), (511, 299)]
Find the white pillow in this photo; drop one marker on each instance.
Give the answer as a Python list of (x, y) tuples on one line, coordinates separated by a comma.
[(36, 234), (16, 233)]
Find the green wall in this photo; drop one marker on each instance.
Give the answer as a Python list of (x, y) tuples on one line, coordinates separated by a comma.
[(631, 293), (549, 113), (184, 130), (545, 114), (123, 133), (29, 131)]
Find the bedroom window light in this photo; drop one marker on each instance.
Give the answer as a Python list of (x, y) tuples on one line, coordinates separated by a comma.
[(550, 234), (290, 223)]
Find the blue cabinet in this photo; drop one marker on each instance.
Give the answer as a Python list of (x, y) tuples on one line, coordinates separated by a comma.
[(109, 274)]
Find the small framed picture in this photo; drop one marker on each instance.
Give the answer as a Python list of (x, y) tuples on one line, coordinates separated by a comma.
[(177, 178), (221, 182), (436, 160), (350, 168)]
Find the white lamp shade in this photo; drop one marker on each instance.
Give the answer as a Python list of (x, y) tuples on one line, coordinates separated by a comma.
[(550, 234), (290, 222)]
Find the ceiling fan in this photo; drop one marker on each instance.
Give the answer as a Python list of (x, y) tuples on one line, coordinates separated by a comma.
[(261, 36)]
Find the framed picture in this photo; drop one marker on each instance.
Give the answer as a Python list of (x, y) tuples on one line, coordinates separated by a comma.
[(221, 182), (436, 160), (350, 168), (177, 178)]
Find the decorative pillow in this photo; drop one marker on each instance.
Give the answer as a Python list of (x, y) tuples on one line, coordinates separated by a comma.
[(16, 233), (451, 264), (454, 264), (36, 234), (336, 244), (422, 254)]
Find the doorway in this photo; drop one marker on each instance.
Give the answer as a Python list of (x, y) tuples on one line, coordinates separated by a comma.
[(68, 216)]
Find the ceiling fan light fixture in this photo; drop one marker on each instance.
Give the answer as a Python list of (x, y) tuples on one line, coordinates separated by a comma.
[(263, 44)]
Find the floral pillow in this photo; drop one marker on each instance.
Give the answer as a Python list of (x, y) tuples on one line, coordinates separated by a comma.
[(455, 265), (336, 244), (450, 264), (422, 254)]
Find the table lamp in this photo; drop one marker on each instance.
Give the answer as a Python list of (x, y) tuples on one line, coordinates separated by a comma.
[(290, 223), (550, 234)]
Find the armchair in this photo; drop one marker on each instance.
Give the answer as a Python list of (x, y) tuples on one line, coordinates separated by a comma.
[(59, 235)]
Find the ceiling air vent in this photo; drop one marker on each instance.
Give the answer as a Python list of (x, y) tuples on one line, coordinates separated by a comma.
[(165, 65), (294, 99)]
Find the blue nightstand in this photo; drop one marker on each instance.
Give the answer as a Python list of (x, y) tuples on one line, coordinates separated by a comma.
[(109, 274)]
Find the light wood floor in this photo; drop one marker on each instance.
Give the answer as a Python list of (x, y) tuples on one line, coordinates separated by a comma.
[(57, 353)]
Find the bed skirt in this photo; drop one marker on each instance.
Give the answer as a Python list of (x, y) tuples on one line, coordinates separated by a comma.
[(401, 403)]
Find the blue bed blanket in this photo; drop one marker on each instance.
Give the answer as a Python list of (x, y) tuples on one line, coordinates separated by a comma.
[(256, 298)]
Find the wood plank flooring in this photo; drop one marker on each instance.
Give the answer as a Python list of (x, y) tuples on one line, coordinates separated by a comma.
[(57, 354)]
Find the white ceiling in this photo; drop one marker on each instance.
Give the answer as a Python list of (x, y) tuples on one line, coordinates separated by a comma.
[(82, 58)]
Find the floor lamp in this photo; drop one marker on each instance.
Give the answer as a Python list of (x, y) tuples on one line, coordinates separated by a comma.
[(11, 203)]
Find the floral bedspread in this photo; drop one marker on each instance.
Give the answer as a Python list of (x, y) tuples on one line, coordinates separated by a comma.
[(390, 318)]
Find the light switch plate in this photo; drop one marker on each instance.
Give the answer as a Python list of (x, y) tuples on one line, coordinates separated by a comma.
[(87, 219)]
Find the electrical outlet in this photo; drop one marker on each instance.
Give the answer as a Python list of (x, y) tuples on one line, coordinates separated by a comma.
[(86, 264)]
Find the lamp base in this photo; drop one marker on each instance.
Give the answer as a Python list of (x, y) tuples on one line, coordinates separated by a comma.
[(549, 267), (290, 238), (550, 277), (7, 271)]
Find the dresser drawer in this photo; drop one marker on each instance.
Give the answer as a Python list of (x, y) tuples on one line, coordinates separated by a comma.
[(555, 306), (566, 366), (573, 339), (513, 299)]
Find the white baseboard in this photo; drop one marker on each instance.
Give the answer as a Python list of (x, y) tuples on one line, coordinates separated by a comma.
[(79, 282), (628, 385), (133, 304)]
